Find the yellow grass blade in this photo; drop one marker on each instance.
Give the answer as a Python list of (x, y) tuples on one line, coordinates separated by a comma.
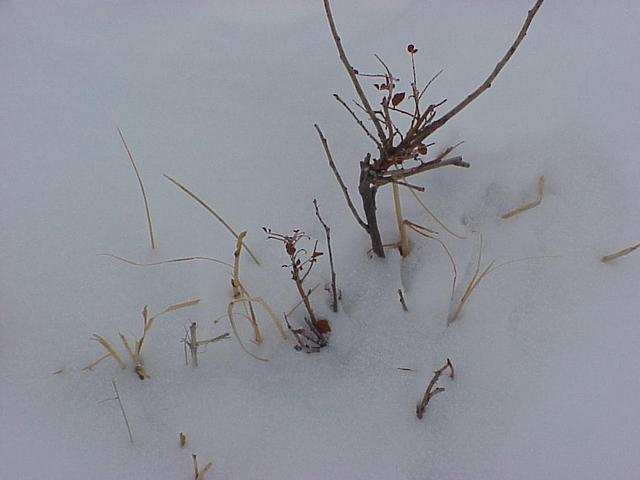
[(163, 262), (127, 347), (107, 346), (528, 206), (436, 219), (144, 194), (211, 211), (95, 364), (621, 253)]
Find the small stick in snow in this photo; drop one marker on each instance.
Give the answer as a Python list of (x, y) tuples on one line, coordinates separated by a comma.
[(334, 290), (199, 474), (183, 439), (402, 302), (191, 343), (528, 206), (621, 253), (430, 392)]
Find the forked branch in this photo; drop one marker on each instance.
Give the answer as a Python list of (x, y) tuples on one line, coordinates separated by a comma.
[(352, 72), (489, 80)]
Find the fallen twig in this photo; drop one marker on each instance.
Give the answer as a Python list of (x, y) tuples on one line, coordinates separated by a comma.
[(430, 392)]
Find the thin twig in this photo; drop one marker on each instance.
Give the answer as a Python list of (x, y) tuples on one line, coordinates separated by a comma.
[(352, 74), (327, 230), (193, 343), (144, 194), (126, 420), (339, 178), (358, 121), (429, 84), (489, 80), (408, 185), (430, 392)]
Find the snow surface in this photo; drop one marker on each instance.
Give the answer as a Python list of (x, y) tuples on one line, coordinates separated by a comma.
[(223, 96)]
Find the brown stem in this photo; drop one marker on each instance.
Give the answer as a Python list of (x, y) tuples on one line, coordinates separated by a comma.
[(487, 83), (368, 190), (327, 230), (352, 74), (339, 179)]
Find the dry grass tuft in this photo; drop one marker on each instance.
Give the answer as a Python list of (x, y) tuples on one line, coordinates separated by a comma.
[(135, 354)]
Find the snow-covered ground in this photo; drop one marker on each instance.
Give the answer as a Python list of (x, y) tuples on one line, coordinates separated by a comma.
[(223, 97)]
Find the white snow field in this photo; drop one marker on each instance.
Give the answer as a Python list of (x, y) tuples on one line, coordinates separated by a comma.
[(223, 96)]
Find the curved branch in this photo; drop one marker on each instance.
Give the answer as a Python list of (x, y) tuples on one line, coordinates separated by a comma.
[(487, 83)]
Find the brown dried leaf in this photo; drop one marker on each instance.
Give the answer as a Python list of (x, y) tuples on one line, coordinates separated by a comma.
[(397, 98), (323, 326)]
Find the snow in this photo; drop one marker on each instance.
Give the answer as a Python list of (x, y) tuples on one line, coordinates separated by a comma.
[(223, 98)]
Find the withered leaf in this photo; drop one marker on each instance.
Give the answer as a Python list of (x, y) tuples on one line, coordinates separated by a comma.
[(397, 98), (323, 326)]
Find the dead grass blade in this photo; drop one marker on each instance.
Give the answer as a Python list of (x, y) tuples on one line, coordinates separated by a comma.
[(295, 307), (528, 206), (621, 253), (109, 348), (479, 276), (211, 211), (144, 194), (436, 219), (164, 262), (95, 364), (266, 306), (428, 234)]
